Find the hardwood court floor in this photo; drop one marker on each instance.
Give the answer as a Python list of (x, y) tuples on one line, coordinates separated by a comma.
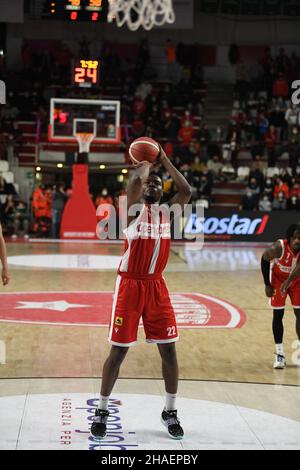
[(230, 355)]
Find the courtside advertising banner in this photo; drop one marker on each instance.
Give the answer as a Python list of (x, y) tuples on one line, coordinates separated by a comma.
[(239, 226)]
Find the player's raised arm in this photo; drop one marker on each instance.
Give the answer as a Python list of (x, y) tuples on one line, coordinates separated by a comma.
[(3, 258), (275, 251), (184, 190)]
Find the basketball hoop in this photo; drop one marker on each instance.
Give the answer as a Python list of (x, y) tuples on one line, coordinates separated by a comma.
[(145, 13), (84, 140)]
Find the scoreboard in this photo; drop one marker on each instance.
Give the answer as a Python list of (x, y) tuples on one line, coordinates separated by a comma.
[(85, 73), (76, 10)]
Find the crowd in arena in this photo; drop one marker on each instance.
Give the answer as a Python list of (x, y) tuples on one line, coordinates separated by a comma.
[(264, 123)]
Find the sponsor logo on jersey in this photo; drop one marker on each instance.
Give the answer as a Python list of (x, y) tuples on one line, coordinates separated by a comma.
[(145, 230)]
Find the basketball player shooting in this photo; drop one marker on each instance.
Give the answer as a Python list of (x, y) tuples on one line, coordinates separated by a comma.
[(3, 258), (281, 271), (141, 290)]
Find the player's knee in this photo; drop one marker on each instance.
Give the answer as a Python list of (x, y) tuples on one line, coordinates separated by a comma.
[(168, 354), (117, 355)]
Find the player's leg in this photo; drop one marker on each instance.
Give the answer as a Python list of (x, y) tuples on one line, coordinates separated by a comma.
[(111, 371), (122, 334), (110, 374), (170, 374), (294, 293), (278, 332), (297, 313)]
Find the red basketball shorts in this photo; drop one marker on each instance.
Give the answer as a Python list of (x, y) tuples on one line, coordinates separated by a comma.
[(149, 300), (278, 301)]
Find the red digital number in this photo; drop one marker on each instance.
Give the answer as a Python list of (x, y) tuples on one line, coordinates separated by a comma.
[(74, 15), (79, 75), (93, 74), (95, 16)]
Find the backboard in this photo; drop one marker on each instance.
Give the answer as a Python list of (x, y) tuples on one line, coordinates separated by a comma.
[(69, 116)]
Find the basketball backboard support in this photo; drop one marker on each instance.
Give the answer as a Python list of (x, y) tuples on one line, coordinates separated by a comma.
[(69, 116)]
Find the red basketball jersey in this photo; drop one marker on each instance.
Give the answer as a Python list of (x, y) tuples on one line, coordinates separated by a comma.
[(148, 241), (283, 266)]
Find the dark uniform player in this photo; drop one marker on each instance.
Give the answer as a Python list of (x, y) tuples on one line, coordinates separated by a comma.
[(141, 290), (281, 272)]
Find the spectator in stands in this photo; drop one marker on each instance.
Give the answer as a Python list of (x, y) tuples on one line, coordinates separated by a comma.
[(280, 202), (271, 139), (171, 128), (203, 135), (5, 188), (139, 105), (263, 125), (204, 188), (294, 136), (293, 204), (269, 188), (103, 198), (251, 197), (281, 188), (215, 166), (277, 119), (40, 207), (228, 173), (256, 171), (295, 191), (198, 165), (265, 205), (59, 199), (8, 212), (21, 220), (281, 88), (186, 133), (292, 116)]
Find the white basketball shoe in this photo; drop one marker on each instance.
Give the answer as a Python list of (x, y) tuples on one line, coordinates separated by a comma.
[(280, 362)]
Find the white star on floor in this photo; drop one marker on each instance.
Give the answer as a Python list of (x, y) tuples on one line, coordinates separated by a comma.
[(58, 306)]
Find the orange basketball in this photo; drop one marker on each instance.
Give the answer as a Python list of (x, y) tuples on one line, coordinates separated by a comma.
[(144, 148)]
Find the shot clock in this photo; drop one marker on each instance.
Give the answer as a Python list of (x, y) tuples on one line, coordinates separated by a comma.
[(85, 73), (76, 10)]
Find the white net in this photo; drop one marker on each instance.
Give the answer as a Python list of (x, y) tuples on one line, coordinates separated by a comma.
[(84, 140), (137, 13)]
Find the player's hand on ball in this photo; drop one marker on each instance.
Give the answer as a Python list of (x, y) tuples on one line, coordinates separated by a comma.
[(5, 277), (284, 287), (270, 291), (144, 163)]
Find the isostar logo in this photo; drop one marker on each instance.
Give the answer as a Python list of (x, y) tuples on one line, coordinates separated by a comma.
[(233, 225)]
